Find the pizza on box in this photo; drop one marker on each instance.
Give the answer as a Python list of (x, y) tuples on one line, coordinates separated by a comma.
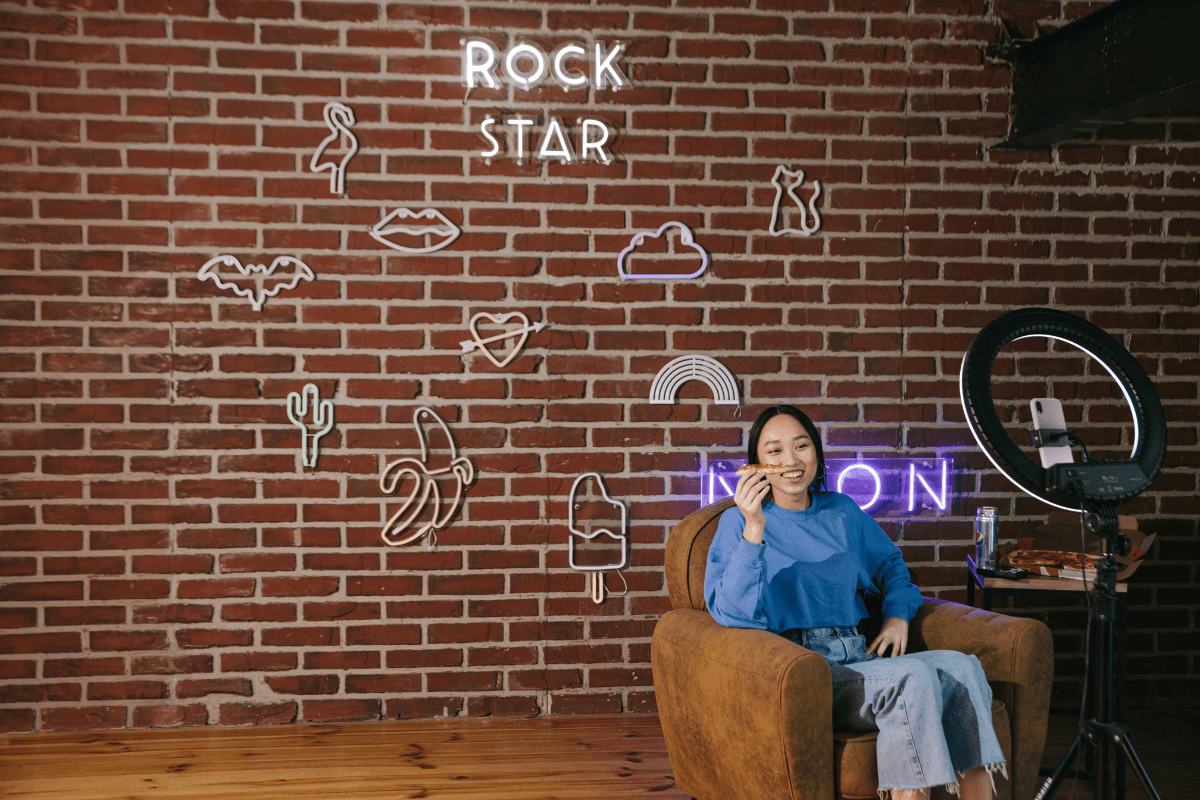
[(1056, 559)]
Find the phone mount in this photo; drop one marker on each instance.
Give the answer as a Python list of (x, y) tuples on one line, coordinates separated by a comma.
[(1054, 437)]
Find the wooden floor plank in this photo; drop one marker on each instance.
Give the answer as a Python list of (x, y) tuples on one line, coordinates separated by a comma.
[(606, 757), (614, 757)]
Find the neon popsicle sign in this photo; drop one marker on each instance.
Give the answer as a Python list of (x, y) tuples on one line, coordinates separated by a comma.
[(884, 486), (527, 66)]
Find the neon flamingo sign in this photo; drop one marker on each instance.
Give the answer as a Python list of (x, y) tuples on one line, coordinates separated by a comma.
[(881, 486)]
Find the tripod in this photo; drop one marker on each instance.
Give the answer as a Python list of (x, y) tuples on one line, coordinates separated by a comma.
[(1098, 731)]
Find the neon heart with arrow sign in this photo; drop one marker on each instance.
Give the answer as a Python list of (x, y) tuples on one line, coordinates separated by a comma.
[(499, 319)]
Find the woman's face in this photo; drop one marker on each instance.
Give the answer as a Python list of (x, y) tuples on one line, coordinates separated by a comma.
[(784, 442)]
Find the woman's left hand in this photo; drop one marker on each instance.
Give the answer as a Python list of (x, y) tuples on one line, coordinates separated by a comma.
[(894, 634)]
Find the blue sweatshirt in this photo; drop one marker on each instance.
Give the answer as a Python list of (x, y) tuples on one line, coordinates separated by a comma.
[(809, 569)]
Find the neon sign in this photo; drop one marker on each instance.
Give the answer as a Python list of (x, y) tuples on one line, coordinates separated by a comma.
[(527, 66), (554, 142), (882, 486)]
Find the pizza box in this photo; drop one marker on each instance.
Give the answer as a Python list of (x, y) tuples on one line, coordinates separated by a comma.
[(1061, 532)]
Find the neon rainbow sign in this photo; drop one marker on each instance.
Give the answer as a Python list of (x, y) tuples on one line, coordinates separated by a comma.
[(889, 487)]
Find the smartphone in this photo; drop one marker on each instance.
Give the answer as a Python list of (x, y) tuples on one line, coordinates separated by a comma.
[(1047, 414)]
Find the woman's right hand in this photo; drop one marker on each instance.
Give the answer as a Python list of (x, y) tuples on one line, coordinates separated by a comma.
[(749, 494)]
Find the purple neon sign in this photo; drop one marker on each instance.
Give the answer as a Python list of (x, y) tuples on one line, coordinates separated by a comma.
[(881, 486)]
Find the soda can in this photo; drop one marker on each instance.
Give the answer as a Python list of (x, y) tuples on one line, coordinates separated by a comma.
[(985, 537)]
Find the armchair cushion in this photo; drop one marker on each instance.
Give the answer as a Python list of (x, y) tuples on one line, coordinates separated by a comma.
[(856, 776)]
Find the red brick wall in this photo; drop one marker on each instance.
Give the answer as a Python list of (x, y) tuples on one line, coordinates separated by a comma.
[(167, 560)]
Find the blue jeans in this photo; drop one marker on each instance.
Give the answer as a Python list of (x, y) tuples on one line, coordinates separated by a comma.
[(933, 709)]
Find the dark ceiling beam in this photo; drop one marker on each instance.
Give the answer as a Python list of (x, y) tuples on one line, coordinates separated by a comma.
[(1130, 59)]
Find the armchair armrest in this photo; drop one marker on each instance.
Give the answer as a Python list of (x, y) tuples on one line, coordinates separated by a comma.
[(745, 713), (1018, 658)]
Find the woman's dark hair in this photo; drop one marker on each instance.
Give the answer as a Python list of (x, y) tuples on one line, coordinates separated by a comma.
[(818, 484)]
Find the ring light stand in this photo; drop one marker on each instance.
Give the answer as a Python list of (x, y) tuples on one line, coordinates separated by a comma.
[(1094, 488)]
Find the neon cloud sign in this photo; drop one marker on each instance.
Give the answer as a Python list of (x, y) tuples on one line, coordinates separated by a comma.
[(880, 486), (526, 66), (685, 238)]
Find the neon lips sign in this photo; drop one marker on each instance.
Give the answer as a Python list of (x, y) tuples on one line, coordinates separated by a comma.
[(883, 487), (527, 66)]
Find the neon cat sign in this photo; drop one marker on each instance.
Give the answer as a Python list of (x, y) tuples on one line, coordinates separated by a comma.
[(527, 66), (883, 487)]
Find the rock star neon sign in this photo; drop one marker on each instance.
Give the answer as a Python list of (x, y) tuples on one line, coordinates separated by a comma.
[(526, 67)]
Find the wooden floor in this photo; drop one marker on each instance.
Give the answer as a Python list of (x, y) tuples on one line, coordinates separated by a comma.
[(590, 758), (1166, 740)]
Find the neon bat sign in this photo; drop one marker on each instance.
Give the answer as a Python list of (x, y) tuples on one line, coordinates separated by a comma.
[(883, 486)]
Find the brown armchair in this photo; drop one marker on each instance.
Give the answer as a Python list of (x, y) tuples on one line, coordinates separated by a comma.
[(747, 713)]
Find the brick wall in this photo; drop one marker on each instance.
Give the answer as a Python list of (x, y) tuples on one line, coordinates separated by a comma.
[(168, 560)]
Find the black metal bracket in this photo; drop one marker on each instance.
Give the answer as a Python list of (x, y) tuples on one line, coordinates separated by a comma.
[(1112, 731), (1051, 437), (1130, 59), (1005, 43)]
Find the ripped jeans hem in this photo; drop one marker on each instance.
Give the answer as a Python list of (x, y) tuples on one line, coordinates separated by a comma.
[(952, 788)]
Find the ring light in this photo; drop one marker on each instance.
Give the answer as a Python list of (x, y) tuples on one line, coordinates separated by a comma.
[(1106, 484)]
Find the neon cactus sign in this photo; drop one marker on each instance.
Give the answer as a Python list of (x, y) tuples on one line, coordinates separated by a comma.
[(526, 66), (881, 486)]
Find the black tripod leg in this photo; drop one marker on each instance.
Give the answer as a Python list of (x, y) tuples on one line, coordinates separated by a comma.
[(1119, 708), (1119, 783), (1138, 769), (1056, 777)]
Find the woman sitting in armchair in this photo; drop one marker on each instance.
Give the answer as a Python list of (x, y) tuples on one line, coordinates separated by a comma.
[(792, 558)]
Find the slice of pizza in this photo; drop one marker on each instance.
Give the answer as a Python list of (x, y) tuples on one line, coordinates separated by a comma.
[(764, 469), (1026, 559), (1075, 561)]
